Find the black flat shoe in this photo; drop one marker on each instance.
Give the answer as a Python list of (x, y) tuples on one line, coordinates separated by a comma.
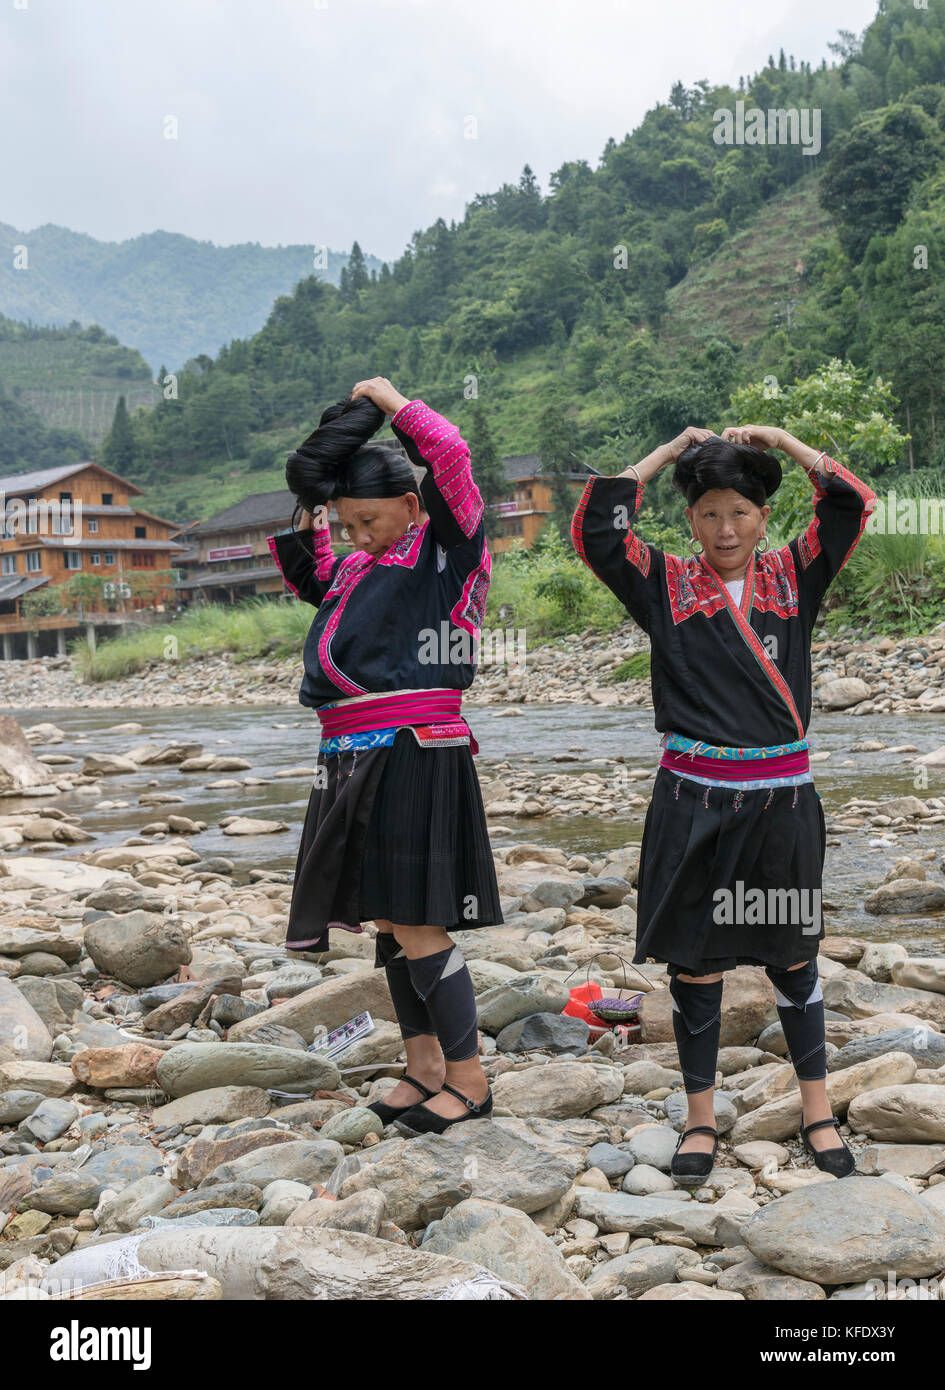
[(421, 1120), (691, 1170), (840, 1162), (388, 1113)]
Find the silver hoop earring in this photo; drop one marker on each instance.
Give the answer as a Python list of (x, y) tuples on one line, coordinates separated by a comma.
[(692, 546), (762, 548)]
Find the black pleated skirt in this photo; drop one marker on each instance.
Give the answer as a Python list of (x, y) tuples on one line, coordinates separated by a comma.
[(697, 841), (397, 833)]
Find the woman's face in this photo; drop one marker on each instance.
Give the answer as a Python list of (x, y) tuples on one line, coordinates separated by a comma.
[(729, 527), (374, 523)]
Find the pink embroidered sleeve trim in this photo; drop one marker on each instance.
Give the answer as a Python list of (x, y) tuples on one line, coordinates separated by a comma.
[(271, 542), (447, 453), (324, 555)]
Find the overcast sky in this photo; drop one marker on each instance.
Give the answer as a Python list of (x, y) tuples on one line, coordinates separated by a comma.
[(322, 121)]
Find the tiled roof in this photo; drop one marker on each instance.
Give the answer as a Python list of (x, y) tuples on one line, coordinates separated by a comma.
[(521, 466), (105, 543), (259, 509), (44, 477), (207, 579), (25, 482), (16, 585)]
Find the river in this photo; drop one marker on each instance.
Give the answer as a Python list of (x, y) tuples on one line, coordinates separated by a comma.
[(273, 737)]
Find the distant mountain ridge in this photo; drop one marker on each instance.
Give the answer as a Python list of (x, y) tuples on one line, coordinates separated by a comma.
[(169, 296)]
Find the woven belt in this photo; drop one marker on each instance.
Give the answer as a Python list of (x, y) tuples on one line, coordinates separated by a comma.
[(396, 709), (782, 765), (372, 721)]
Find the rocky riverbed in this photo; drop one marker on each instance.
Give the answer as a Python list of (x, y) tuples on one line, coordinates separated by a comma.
[(874, 676), (165, 1129), (163, 1121)]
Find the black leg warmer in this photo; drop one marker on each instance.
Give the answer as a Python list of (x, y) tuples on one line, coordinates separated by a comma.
[(412, 1014), (445, 986), (697, 1024), (800, 1002)]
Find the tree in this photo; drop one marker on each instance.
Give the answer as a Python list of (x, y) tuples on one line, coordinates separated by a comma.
[(871, 172), (531, 212), (557, 438), (488, 468), (119, 452), (354, 276), (83, 592), (838, 408), (220, 414)]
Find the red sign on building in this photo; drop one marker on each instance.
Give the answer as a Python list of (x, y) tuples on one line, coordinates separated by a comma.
[(230, 552)]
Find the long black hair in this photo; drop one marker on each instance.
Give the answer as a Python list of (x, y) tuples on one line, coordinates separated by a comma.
[(336, 459), (717, 463)]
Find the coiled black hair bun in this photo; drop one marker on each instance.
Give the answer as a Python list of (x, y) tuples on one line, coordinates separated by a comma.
[(337, 461), (718, 463)]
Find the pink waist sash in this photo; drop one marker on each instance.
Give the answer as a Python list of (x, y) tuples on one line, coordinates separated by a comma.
[(395, 710), (719, 770)]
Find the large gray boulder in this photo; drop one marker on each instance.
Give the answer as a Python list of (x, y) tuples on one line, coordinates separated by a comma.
[(911, 1114), (298, 1263), (138, 948), (558, 1091), (508, 1242), (21, 1028), (328, 1004), (844, 1231), (202, 1066), (528, 994), (422, 1179)]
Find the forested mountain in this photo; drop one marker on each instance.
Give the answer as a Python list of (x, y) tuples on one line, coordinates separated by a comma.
[(629, 299), (168, 296)]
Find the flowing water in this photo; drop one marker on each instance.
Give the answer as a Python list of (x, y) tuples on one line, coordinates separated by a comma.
[(276, 736)]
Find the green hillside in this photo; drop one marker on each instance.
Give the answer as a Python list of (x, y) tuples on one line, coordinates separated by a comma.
[(72, 377), (168, 296), (598, 317), (757, 278)]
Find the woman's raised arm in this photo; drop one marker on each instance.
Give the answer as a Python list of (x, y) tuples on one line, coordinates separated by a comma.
[(603, 535), (305, 557), (842, 505), (450, 495)]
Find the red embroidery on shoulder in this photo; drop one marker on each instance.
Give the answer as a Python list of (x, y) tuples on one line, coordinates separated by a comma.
[(776, 583), (690, 589)]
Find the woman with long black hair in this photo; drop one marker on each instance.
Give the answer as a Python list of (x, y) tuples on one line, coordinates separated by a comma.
[(395, 830), (734, 836)]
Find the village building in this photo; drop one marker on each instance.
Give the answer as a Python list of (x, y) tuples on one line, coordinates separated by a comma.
[(528, 503), (78, 519), (227, 556), (72, 520)]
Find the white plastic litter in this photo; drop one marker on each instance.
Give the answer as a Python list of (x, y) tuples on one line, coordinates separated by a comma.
[(480, 1286)]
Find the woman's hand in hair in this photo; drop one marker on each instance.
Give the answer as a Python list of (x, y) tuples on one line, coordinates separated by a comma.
[(692, 434), (385, 396), (666, 453), (759, 436)]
